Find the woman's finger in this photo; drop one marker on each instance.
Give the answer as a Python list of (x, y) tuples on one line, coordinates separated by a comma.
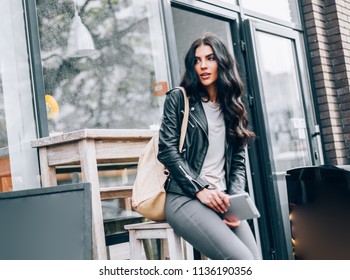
[(222, 200), (225, 199), (232, 223), (214, 205), (221, 204)]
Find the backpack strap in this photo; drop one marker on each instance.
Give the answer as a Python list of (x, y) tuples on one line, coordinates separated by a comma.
[(184, 120)]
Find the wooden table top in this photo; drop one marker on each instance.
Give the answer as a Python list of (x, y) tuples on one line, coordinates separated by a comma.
[(113, 134)]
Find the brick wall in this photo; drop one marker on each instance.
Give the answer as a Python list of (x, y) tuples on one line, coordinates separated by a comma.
[(327, 26)]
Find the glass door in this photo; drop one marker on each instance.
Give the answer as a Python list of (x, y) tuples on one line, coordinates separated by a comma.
[(283, 111)]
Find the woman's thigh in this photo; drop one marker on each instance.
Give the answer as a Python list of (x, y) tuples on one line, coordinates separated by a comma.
[(204, 230)]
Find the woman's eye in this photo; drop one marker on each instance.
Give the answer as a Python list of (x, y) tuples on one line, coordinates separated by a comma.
[(211, 58), (196, 60)]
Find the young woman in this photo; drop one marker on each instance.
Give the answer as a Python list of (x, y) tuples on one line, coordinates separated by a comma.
[(212, 163)]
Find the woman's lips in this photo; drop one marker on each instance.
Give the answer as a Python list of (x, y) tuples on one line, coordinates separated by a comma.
[(205, 76)]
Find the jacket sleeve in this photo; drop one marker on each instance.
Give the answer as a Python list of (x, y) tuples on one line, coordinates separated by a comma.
[(169, 137), (237, 178)]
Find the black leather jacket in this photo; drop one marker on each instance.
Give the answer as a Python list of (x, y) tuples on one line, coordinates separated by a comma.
[(185, 167)]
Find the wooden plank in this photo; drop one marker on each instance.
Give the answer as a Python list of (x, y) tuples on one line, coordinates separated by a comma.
[(122, 150), (187, 249), (90, 174), (174, 243), (115, 192), (121, 134), (148, 225), (135, 247), (58, 139), (64, 154), (151, 234), (48, 173)]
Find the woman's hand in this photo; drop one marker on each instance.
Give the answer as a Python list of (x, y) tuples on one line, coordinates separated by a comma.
[(215, 199), (232, 222)]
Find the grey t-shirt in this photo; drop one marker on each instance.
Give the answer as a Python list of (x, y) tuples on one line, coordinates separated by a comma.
[(213, 167)]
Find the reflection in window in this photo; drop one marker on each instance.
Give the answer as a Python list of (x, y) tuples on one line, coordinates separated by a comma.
[(286, 10), (116, 87), (282, 97)]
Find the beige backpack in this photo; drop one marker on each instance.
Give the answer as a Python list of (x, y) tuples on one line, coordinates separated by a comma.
[(148, 196)]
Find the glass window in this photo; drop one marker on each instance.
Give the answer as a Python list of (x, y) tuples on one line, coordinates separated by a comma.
[(122, 83), (286, 10), (284, 116), (19, 168), (284, 111)]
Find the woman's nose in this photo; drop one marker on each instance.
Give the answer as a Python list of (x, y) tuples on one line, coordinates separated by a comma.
[(203, 64)]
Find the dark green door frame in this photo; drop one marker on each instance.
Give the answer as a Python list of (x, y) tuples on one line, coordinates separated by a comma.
[(36, 68)]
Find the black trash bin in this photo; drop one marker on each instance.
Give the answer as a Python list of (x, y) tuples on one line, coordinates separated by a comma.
[(319, 205)]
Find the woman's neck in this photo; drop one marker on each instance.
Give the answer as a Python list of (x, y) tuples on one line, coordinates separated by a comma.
[(212, 93)]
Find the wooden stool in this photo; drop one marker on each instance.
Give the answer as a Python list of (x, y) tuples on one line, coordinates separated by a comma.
[(153, 230)]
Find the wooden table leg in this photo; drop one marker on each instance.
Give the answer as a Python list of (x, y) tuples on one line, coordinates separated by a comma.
[(89, 172), (48, 173)]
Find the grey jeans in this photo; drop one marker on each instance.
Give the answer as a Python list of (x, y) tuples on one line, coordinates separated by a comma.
[(205, 230)]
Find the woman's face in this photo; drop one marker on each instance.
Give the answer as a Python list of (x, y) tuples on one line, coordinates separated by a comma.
[(206, 66)]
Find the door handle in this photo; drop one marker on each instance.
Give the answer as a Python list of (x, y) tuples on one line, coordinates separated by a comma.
[(319, 152)]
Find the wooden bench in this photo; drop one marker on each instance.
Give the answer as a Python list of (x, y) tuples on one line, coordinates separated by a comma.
[(153, 230), (139, 234)]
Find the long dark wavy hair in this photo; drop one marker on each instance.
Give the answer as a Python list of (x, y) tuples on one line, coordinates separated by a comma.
[(229, 87)]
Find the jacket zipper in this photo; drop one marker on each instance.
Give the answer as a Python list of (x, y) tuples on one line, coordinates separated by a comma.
[(186, 175), (195, 119), (189, 177), (188, 120), (181, 168)]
